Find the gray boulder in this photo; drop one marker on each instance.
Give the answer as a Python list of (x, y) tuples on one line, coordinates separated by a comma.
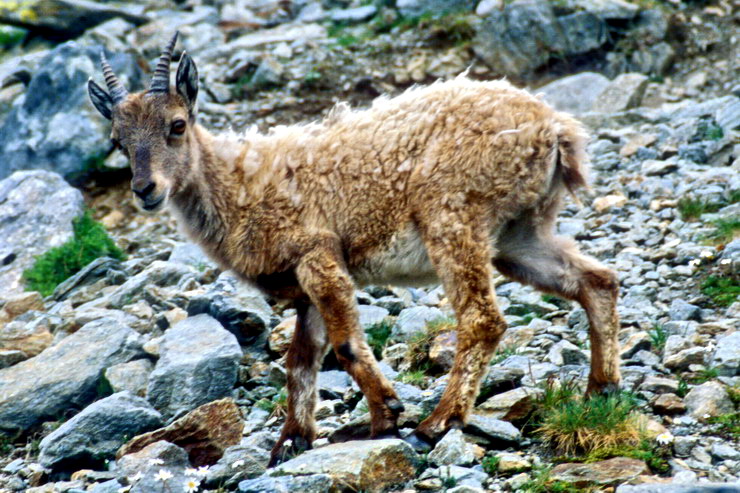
[(511, 40), (727, 357), (55, 127), (313, 483), (198, 364), (97, 432), (492, 432), (158, 273), (709, 399), (624, 92), (576, 93), (246, 460), (240, 307), (132, 376), (36, 212), (452, 450), (139, 470), (66, 19), (65, 376), (412, 320)]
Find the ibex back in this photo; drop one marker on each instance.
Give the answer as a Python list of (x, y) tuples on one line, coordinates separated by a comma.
[(445, 181)]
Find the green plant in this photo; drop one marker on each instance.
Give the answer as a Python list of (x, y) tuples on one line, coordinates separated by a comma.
[(90, 241), (728, 425), (490, 464), (726, 230), (419, 343), (448, 480), (278, 406), (6, 445), (416, 378), (645, 450), (704, 375), (658, 338), (377, 336), (541, 482), (709, 130), (502, 353), (683, 388), (11, 36), (722, 290)]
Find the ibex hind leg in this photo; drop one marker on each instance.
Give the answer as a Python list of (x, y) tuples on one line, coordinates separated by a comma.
[(307, 349), (458, 246), (531, 255)]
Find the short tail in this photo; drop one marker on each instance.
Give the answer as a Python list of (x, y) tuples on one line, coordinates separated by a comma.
[(572, 160)]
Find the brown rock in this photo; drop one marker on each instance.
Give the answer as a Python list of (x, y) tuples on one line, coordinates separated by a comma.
[(281, 335), (442, 350), (632, 145), (668, 404), (21, 303), (607, 472), (204, 433), (602, 204), (31, 338)]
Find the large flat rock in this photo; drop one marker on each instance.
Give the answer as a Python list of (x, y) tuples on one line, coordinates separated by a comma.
[(198, 364), (64, 376), (370, 465)]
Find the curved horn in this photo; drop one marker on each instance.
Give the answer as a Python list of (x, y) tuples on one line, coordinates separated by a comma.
[(161, 79), (117, 92)]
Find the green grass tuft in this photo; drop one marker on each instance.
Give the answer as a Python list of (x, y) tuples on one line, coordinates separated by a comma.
[(723, 290), (416, 378), (490, 464), (90, 241), (420, 342), (377, 336), (571, 424), (658, 338), (11, 36), (726, 230)]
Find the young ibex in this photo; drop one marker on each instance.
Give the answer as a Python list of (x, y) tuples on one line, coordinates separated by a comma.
[(443, 181)]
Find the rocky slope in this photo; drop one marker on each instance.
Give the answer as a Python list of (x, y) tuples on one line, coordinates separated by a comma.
[(165, 347)]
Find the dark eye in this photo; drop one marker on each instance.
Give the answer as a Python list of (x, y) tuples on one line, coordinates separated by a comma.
[(178, 127)]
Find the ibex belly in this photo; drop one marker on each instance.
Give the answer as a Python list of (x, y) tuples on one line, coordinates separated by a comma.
[(401, 261)]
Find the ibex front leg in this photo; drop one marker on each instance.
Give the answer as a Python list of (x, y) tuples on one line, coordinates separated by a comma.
[(322, 276), (303, 361)]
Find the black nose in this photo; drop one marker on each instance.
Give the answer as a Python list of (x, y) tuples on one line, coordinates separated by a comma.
[(143, 190)]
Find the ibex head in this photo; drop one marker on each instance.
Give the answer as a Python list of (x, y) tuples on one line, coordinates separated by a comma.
[(153, 128)]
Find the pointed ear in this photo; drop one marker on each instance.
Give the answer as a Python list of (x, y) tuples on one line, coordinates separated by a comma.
[(100, 99), (187, 81)]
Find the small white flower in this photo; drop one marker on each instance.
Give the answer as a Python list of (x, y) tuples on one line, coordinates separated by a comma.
[(191, 472), (706, 254), (725, 261), (135, 477), (707, 416), (664, 438), (156, 462), (694, 262), (238, 463), (202, 471), (123, 489), (191, 486), (163, 475)]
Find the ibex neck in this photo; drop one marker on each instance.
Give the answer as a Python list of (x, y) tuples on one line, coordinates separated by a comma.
[(202, 205)]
